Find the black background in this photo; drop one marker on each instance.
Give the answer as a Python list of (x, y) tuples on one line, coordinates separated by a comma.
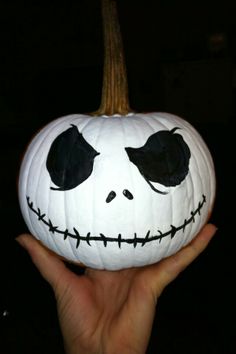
[(181, 59)]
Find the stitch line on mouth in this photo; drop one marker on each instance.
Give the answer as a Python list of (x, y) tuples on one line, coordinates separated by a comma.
[(119, 240)]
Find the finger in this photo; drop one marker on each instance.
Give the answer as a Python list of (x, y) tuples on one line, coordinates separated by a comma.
[(164, 272), (51, 267)]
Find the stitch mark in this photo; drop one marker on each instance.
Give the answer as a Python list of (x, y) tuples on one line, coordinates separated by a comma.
[(104, 239), (51, 227), (135, 239), (119, 240), (66, 234), (161, 236), (186, 221), (77, 237), (40, 216), (146, 238), (173, 231), (87, 238)]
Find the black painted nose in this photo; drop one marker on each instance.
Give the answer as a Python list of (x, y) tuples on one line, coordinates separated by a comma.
[(126, 193), (111, 196)]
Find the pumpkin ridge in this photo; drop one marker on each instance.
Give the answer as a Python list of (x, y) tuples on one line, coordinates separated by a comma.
[(119, 240)]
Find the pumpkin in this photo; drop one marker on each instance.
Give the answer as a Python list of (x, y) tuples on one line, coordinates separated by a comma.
[(118, 190)]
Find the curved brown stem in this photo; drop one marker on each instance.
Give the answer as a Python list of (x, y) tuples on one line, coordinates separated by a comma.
[(115, 98)]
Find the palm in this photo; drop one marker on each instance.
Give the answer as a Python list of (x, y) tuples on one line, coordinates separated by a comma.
[(110, 309), (110, 312)]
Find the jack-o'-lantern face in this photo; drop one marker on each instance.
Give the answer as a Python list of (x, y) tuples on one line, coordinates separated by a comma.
[(116, 192)]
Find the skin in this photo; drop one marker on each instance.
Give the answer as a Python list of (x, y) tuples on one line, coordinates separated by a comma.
[(105, 312)]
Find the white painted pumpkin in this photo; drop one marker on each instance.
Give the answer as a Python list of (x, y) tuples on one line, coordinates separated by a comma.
[(116, 192)]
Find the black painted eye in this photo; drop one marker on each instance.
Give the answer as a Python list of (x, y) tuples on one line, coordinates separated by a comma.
[(163, 159), (70, 159)]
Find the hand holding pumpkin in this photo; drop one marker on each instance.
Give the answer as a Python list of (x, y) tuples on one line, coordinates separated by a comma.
[(110, 312)]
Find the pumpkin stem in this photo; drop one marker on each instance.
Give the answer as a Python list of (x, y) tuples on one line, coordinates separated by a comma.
[(115, 99)]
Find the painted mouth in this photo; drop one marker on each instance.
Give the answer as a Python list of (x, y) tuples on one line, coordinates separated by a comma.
[(119, 239)]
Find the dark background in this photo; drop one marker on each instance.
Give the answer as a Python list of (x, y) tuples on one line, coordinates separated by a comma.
[(181, 58)]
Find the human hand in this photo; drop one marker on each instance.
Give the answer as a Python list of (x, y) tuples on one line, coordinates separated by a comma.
[(107, 312)]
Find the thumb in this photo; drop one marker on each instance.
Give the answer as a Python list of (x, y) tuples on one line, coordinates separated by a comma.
[(51, 267)]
